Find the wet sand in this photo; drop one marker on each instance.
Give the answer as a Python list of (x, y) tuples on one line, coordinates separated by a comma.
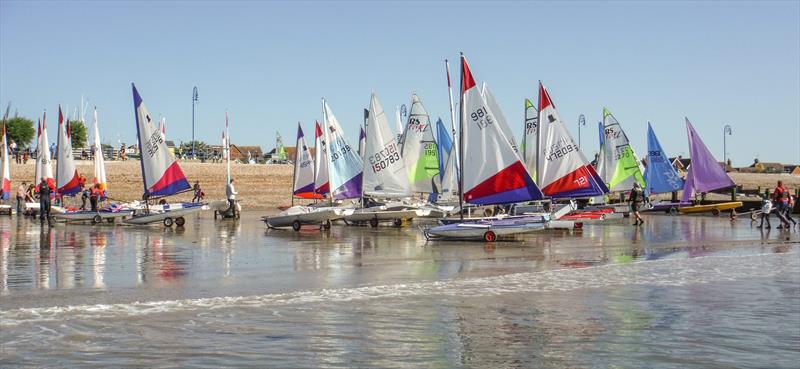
[(686, 291)]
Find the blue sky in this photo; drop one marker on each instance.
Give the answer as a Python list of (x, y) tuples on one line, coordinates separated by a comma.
[(269, 63)]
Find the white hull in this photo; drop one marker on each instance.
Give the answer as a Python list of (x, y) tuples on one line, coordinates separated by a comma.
[(157, 214), (304, 215), (365, 215), (477, 231), (81, 215), (34, 206)]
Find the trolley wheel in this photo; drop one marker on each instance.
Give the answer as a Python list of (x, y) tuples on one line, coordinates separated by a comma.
[(489, 236), (715, 212), (398, 223), (296, 225), (373, 222), (327, 224), (180, 221), (673, 210), (167, 222), (753, 216), (97, 219)]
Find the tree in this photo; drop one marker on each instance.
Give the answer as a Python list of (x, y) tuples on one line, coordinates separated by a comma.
[(77, 134), (21, 131)]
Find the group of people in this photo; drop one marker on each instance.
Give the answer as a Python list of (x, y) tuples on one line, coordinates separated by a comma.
[(781, 202)]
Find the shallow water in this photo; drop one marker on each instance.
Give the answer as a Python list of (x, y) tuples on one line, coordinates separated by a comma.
[(680, 291)]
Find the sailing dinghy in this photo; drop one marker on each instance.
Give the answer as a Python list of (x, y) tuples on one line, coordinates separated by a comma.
[(303, 187), (384, 174), (501, 177), (705, 174), (660, 175), (622, 166), (161, 174), (43, 168)]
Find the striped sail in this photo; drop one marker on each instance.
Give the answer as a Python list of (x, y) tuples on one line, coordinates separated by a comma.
[(384, 169), (303, 169), (344, 165), (660, 175), (67, 177), (493, 172), (622, 166), (161, 174), (321, 184), (99, 162), (419, 150), (44, 167), (564, 170), (6, 184)]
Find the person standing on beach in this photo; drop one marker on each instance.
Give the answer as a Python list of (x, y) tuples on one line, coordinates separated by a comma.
[(20, 198), (198, 193), (636, 198), (782, 204), (766, 208), (44, 202), (786, 206), (230, 194)]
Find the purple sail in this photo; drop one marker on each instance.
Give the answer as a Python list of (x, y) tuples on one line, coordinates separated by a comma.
[(705, 173)]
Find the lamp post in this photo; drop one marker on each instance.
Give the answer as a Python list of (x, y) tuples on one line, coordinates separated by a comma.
[(726, 131), (194, 99), (581, 122)]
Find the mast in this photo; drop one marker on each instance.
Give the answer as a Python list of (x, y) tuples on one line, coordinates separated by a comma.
[(456, 165), (227, 148), (539, 173), (58, 148), (366, 129), (294, 167), (460, 151)]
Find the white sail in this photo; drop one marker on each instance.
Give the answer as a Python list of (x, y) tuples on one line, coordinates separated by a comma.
[(493, 172), (44, 167), (384, 170), (321, 184), (303, 168), (502, 123), (344, 165), (399, 123), (99, 162), (621, 165), (419, 150), (67, 178), (563, 169)]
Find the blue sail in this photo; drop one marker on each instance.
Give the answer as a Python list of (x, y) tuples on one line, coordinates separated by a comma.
[(445, 146), (660, 176)]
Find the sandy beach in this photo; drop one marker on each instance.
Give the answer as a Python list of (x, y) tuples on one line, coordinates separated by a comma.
[(264, 187), (260, 187)]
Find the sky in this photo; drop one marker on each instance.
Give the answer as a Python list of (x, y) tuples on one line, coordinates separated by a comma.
[(269, 63)]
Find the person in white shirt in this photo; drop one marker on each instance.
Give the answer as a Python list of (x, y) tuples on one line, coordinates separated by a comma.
[(230, 194), (766, 208)]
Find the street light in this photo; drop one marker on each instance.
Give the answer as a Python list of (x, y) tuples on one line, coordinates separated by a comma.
[(581, 122), (194, 99), (726, 131)]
